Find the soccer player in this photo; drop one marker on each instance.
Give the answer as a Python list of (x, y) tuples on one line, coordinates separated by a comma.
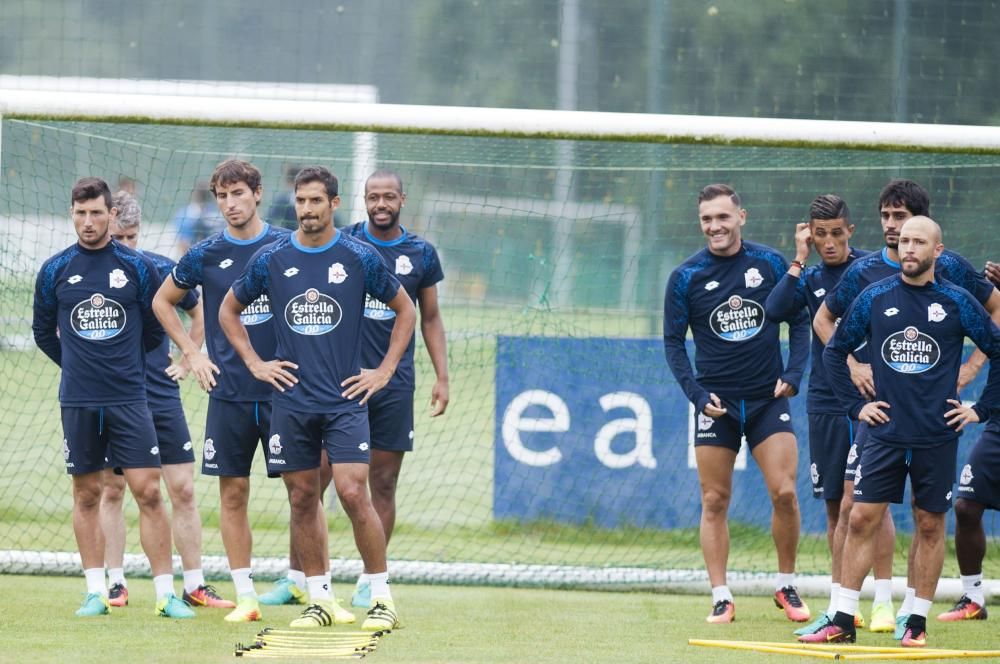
[(831, 432), (898, 201), (415, 264), (741, 388), (318, 279), (172, 437), (93, 317), (977, 491), (915, 324), (239, 407)]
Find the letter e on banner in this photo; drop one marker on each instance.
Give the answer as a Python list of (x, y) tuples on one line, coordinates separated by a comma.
[(514, 423)]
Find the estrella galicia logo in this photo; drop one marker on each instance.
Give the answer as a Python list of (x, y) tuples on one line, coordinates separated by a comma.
[(98, 318), (910, 351), (737, 319), (258, 312), (377, 310), (312, 313)]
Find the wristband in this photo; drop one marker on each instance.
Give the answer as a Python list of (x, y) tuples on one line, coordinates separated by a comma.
[(799, 263)]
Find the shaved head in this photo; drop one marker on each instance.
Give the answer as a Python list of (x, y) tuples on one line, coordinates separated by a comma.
[(919, 247), (922, 224)]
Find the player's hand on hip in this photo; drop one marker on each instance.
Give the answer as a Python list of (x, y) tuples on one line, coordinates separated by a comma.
[(276, 373), (861, 376), (783, 389), (714, 407), (439, 398), (177, 371), (960, 415), (366, 383), (873, 414), (204, 369)]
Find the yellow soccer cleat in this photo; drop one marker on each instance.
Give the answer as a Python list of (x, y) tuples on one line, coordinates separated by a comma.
[(382, 616), (247, 609), (323, 613), (883, 618)]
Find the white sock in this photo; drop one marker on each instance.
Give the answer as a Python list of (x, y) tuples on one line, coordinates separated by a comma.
[(921, 607), (906, 608), (164, 585), (380, 585), (883, 591), (785, 580), (319, 588), (362, 580), (848, 601), (720, 593), (972, 586), (95, 581), (834, 598), (298, 577), (117, 575), (193, 579), (243, 580)]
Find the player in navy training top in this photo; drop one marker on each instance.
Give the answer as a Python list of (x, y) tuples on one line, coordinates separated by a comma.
[(317, 281), (978, 490), (239, 407), (414, 261), (93, 317), (741, 388), (172, 437), (831, 432), (898, 201), (916, 324)]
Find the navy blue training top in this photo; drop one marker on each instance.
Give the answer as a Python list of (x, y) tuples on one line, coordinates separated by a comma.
[(737, 351), (101, 303), (318, 296), (916, 335)]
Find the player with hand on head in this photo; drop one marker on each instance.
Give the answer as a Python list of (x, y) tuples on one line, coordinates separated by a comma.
[(172, 437), (916, 323), (93, 317), (741, 387), (415, 263), (318, 278)]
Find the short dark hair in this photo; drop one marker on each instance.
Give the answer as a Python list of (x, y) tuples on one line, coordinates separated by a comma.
[(385, 174), (318, 174), (89, 188), (829, 206), (713, 191), (231, 171), (907, 193)]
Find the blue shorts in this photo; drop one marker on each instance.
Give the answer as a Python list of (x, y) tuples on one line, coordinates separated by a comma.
[(233, 430), (172, 437), (755, 419), (830, 440), (390, 418), (880, 476), (980, 477), (92, 434), (298, 438)]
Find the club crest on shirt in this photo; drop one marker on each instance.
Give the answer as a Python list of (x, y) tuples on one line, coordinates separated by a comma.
[(753, 278), (403, 265), (336, 274), (98, 318), (910, 351), (313, 313), (117, 278), (257, 312), (936, 313), (737, 319)]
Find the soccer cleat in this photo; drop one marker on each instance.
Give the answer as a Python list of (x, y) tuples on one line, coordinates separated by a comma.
[(94, 604), (859, 619), (206, 595), (362, 597), (118, 595), (882, 618), (724, 611), (830, 634), (913, 638), (900, 626), (247, 609), (964, 609), (814, 626), (381, 617), (788, 600), (284, 592), (170, 606)]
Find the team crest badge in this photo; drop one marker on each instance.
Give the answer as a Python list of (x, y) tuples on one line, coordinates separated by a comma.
[(403, 265), (753, 278), (117, 278)]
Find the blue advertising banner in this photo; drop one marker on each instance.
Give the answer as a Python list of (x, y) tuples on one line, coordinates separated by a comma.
[(597, 431)]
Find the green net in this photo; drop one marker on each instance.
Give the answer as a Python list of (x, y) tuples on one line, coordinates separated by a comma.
[(539, 239)]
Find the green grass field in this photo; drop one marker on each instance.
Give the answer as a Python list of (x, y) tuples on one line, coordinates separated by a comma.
[(441, 624)]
